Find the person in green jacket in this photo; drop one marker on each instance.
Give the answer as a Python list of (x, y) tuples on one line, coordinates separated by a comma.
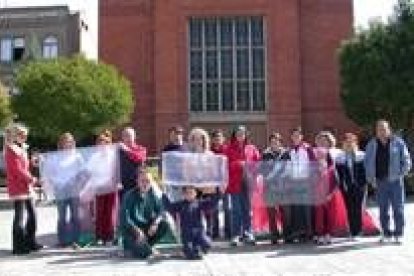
[(142, 219)]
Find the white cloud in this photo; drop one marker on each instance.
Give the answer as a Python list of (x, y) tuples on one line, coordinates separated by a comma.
[(365, 10)]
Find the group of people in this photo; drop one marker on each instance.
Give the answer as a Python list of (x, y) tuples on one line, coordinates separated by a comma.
[(142, 213)]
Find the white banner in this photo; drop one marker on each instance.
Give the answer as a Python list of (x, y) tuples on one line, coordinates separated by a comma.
[(289, 182), (198, 169), (81, 172)]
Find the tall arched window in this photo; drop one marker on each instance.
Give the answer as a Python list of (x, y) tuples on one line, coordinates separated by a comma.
[(50, 47)]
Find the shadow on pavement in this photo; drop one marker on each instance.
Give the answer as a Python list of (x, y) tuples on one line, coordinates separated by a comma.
[(337, 247)]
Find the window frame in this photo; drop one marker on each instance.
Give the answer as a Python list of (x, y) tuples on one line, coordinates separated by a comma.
[(218, 48), (12, 39), (48, 44), (9, 38)]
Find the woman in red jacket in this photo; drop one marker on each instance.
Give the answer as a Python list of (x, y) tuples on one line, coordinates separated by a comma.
[(238, 152), (19, 181)]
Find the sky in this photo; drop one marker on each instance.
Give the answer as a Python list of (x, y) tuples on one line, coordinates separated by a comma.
[(364, 11), (88, 10)]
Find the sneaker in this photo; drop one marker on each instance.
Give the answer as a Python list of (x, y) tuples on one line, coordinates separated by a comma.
[(196, 257), (352, 239), (398, 240), (320, 241), (154, 256), (36, 247), (205, 249), (249, 238), (327, 239), (76, 246), (236, 241), (274, 241), (384, 239)]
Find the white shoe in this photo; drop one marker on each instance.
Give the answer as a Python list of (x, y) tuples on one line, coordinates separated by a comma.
[(320, 240), (236, 241), (327, 240), (249, 238), (384, 239)]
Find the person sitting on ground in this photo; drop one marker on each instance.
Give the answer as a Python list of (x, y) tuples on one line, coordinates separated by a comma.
[(190, 211), (142, 220)]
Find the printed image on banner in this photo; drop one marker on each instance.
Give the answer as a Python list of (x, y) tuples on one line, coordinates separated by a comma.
[(198, 169), (80, 173), (290, 182)]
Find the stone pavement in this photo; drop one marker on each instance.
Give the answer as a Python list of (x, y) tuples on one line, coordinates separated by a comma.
[(363, 257)]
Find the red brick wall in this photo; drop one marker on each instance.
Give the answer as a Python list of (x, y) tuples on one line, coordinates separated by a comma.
[(126, 40), (147, 41), (324, 24)]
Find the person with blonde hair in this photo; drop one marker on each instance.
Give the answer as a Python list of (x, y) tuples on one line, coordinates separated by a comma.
[(65, 180), (198, 141), (19, 183)]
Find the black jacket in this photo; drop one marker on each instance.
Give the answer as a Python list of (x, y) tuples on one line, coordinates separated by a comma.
[(345, 174)]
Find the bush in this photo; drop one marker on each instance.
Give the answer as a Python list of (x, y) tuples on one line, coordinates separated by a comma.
[(71, 94)]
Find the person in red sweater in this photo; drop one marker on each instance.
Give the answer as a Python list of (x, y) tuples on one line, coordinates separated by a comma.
[(19, 182), (238, 152)]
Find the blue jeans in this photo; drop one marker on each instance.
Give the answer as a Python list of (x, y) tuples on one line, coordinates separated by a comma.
[(68, 231), (227, 216), (240, 214), (391, 193)]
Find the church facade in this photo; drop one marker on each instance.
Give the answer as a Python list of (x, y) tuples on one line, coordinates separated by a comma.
[(268, 64)]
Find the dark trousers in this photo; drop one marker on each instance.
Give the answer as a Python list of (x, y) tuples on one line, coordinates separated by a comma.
[(298, 222), (24, 231), (354, 197), (105, 216), (274, 231), (391, 194), (193, 241), (143, 249), (213, 221)]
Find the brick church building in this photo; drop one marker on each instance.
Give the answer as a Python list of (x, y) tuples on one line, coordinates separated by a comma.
[(268, 64)]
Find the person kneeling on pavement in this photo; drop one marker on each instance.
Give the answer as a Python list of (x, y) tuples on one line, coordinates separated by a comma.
[(142, 220), (190, 211)]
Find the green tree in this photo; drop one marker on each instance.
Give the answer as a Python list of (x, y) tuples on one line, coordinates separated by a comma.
[(5, 111), (377, 69), (71, 94)]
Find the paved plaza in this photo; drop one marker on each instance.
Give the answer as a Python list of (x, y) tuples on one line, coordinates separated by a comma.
[(363, 257)]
